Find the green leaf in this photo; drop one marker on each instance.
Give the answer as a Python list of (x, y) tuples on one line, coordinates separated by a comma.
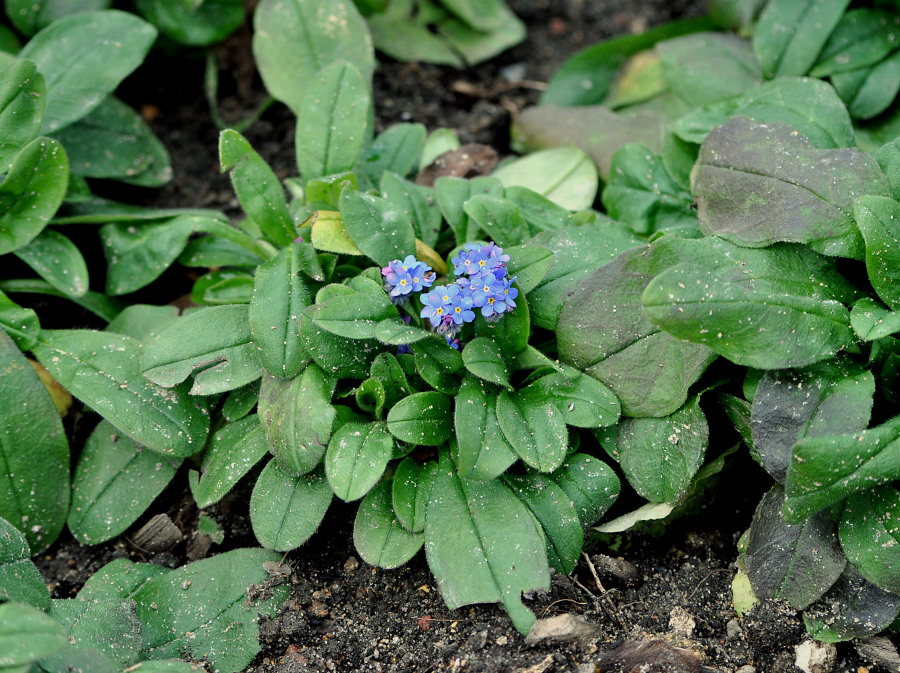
[(336, 355), (293, 40), (871, 321), (279, 298), (511, 332), (106, 635), (482, 450), (641, 193), (796, 562), (763, 313), (484, 358), (31, 192), (852, 608), (790, 34), (529, 265), (875, 219), (232, 452), (114, 141), (378, 228), (583, 401), (138, 254), (735, 14), (483, 545), (660, 456), (27, 634), (115, 481), (83, 58), (29, 17), (577, 253), (58, 261), (20, 580), (286, 510), (541, 213), (452, 193), (297, 416), (499, 219), (596, 131), (550, 505), (437, 363), (565, 175), (207, 251), (355, 316), (591, 486), (405, 33), (534, 428), (208, 609), (214, 340), (586, 78), (421, 418), (332, 121), (869, 91), (410, 489), (119, 579), (199, 23), (868, 533), (356, 459), (240, 402), (257, 188), (862, 37), (142, 321), (103, 371), (394, 150), (224, 287), (105, 308), (789, 405), (825, 470), (602, 331), (396, 333), (477, 45), (379, 537), (418, 203), (34, 453), (705, 67), (810, 192), (22, 99), (809, 106)]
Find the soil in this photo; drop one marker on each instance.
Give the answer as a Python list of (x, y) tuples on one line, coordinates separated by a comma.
[(343, 615)]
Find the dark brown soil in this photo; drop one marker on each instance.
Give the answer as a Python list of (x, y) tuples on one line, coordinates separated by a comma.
[(343, 615)]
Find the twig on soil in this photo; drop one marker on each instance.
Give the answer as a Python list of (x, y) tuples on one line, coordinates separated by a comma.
[(561, 600), (708, 575), (608, 606)]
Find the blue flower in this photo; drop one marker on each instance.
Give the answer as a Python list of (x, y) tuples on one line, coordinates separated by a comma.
[(464, 262), (409, 275), (483, 286), (438, 303), (461, 308), (501, 300)]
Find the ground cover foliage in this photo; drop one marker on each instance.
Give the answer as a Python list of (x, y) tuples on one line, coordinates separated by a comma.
[(738, 289)]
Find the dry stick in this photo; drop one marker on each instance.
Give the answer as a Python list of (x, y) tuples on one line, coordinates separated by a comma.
[(610, 610)]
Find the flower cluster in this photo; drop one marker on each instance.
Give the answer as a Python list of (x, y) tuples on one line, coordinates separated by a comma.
[(481, 284), (410, 275)]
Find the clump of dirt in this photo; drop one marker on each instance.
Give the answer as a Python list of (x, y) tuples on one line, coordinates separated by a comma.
[(344, 615)]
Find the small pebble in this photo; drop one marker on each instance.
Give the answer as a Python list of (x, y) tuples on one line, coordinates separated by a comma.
[(502, 640), (815, 657), (746, 669), (732, 630), (680, 622), (351, 564)]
